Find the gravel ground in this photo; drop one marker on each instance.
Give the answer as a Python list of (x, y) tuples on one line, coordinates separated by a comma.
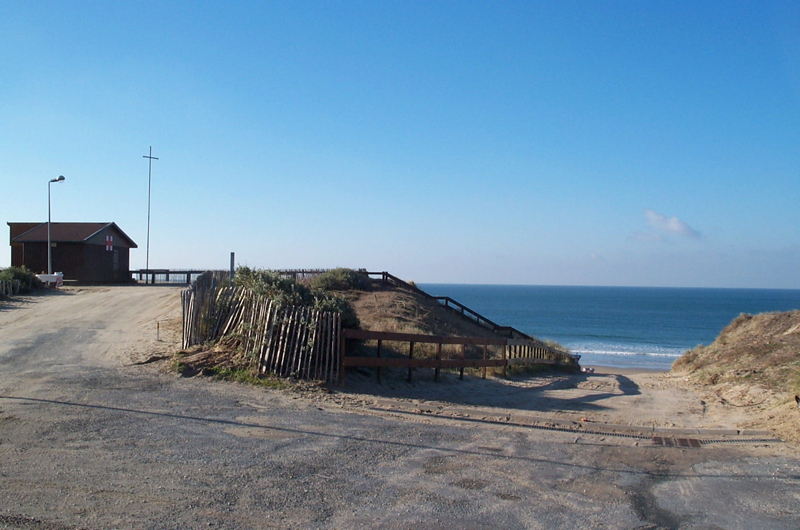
[(90, 440)]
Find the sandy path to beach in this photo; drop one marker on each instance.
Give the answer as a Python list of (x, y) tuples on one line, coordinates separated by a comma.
[(609, 400)]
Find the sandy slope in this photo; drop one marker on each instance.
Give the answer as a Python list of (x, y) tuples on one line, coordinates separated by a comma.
[(751, 372)]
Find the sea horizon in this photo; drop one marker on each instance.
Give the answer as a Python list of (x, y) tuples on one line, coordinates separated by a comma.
[(419, 284)]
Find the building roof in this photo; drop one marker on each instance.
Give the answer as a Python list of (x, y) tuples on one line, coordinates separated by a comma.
[(67, 232)]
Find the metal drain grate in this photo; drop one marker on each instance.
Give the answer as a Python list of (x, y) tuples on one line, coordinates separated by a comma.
[(677, 442)]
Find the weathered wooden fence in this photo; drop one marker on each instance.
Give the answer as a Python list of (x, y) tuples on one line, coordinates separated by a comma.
[(512, 352), (309, 344), (154, 276), (288, 341), (10, 287)]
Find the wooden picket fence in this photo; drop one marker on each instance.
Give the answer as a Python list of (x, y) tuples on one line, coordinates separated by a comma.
[(287, 341), (10, 287)]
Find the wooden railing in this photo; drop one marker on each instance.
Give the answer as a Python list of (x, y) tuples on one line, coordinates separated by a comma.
[(394, 281), (506, 331), (153, 276), (513, 351), (452, 305), (188, 276)]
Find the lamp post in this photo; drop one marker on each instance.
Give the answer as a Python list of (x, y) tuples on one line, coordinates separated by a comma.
[(49, 256)]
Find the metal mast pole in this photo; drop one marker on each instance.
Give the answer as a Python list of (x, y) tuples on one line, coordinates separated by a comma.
[(149, 177), (49, 244)]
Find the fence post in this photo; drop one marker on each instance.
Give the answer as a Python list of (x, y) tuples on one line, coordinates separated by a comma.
[(343, 345), (463, 356), (379, 356), (410, 356), (438, 358)]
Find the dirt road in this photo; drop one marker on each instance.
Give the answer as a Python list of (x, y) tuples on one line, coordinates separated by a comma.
[(90, 440)]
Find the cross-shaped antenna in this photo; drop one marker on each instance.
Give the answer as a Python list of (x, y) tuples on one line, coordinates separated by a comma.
[(149, 175)]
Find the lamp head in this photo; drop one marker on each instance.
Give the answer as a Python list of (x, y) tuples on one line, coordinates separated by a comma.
[(59, 179)]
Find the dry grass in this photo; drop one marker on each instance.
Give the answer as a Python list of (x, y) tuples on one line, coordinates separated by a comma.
[(400, 311), (753, 365), (763, 349)]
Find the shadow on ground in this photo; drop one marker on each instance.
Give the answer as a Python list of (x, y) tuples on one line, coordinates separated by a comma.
[(547, 391), (7, 303)]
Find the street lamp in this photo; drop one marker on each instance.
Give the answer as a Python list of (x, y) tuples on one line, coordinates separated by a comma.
[(49, 257)]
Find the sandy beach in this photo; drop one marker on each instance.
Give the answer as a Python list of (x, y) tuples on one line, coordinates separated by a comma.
[(613, 400)]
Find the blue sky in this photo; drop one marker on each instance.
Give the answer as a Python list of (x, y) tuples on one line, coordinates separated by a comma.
[(570, 143)]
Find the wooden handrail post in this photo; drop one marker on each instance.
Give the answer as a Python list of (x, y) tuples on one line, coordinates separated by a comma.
[(505, 361), (463, 356), (379, 356), (410, 356), (438, 358), (484, 358)]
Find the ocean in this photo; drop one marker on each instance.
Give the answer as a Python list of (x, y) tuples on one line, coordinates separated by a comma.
[(625, 327)]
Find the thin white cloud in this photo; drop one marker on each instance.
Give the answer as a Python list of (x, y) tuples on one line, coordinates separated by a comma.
[(670, 225), (647, 237)]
